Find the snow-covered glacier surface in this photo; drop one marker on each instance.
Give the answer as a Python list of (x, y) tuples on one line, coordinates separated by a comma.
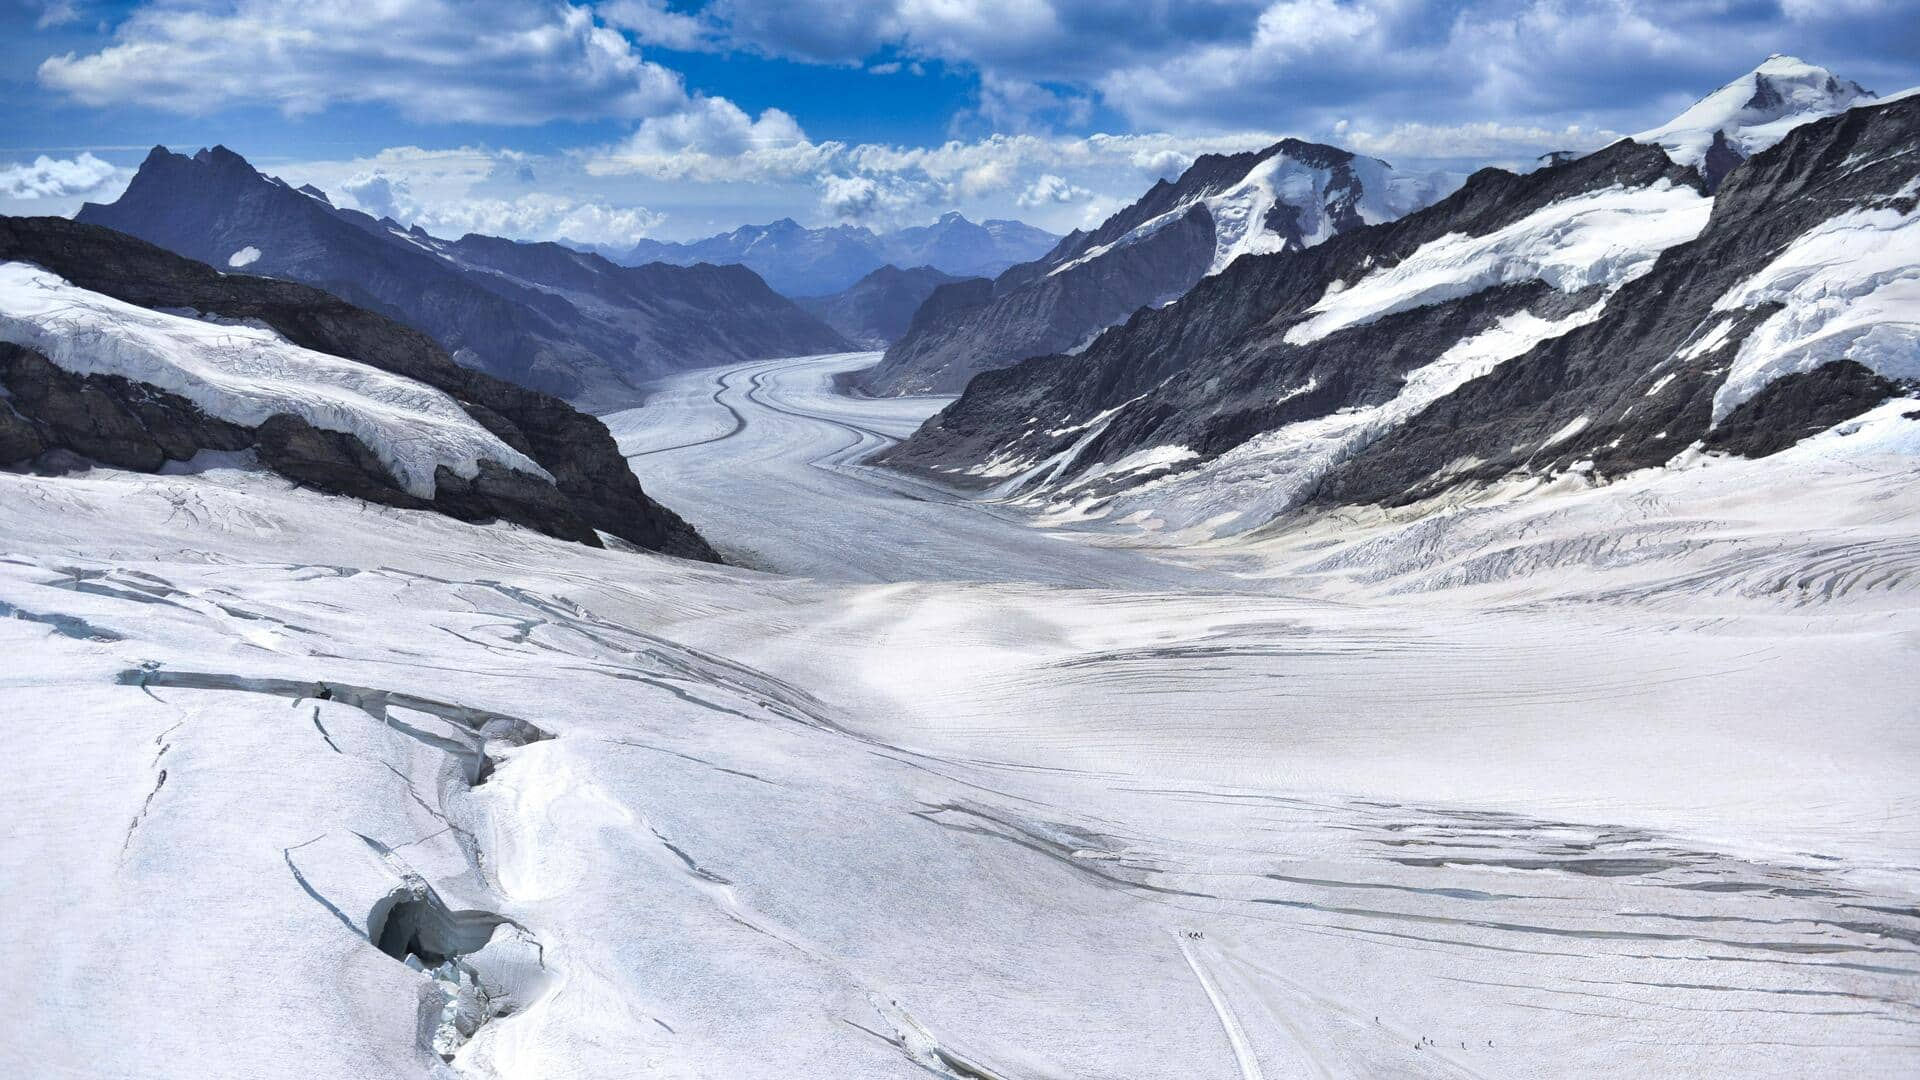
[(1556, 787), (245, 374)]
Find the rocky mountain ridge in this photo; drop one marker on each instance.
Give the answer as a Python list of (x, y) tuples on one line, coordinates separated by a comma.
[(1289, 196), (542, 315), (877, 309), (1596, 316)]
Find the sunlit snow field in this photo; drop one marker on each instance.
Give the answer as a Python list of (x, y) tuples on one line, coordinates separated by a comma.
[(1610, 781)]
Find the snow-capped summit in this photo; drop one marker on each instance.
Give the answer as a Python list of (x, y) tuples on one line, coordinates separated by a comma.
[(1290, 196), (1293, 195), (1752, 113)]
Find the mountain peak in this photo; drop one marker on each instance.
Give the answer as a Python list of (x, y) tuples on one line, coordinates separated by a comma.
[(218, 155), (1752, 113)]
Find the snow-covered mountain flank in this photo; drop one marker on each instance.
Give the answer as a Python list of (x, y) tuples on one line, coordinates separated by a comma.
[(1290, 196), (1596, 316), (545, 316), (114, 352)]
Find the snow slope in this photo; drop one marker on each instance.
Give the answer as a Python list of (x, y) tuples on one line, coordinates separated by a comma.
[(1848, 288), (1756, 110), (1604, 237), (245, 374), (1249, 485)]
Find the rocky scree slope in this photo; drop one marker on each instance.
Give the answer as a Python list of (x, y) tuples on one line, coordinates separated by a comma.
[(542, 315), (577, 485), (1599, 315), (1289, 196)]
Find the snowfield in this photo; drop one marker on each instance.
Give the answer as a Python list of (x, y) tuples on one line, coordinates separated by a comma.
[(1848, 288), (1550, 787), (245, 374), (1605, 238)]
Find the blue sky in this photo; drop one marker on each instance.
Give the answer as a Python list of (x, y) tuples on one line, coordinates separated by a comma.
[(606, 121)]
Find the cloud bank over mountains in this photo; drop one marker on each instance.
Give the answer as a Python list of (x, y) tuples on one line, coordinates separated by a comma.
[(629, 120)]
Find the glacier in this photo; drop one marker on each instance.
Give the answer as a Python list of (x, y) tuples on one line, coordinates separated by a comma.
[(1521, 787), (1525, 786)]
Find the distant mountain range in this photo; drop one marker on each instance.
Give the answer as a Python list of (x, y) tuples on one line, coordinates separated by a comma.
[(879, 307), (798, 261), (542, 315), (1290, 328), (1605, 313), (1289, 196)]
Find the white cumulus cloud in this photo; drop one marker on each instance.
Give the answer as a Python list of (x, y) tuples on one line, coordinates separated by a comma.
[(56, 178), (1050, 188), (482, 61), (471, 189)]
